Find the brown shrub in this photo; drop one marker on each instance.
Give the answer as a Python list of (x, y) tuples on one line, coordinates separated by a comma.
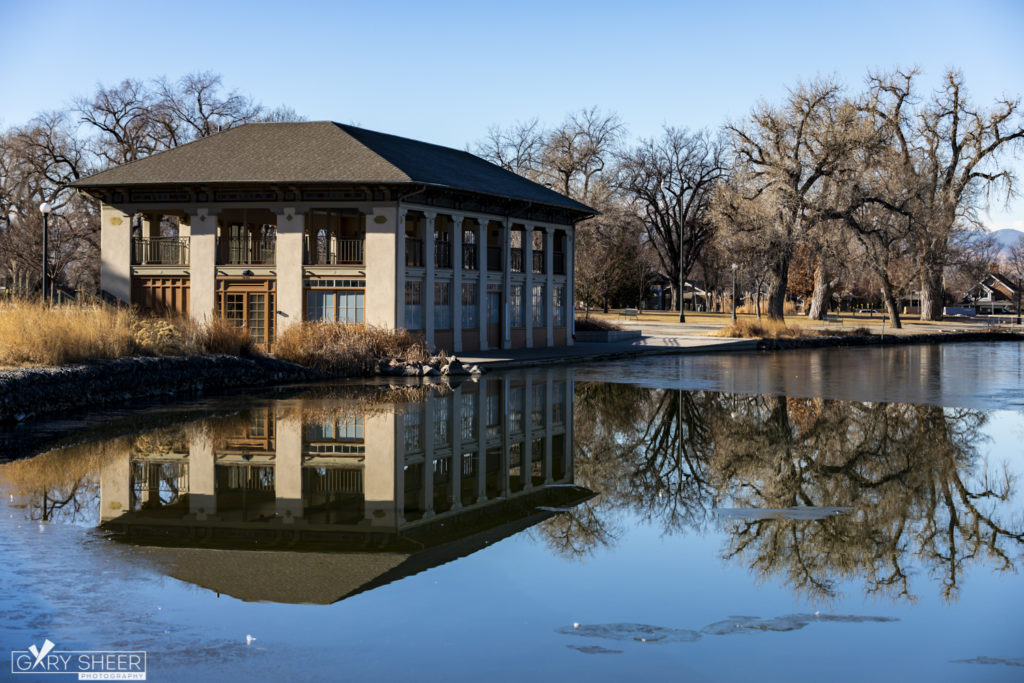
[(595, 325), (758, 329), (346, 350), (37, 334)]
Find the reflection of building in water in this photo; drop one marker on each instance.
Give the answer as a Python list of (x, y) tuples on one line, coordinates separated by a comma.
[(314, 472)]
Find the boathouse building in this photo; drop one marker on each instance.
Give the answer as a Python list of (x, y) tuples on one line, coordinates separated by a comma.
[(267, 224)]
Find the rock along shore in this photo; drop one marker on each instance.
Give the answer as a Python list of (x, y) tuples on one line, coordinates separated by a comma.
[(31, 393)]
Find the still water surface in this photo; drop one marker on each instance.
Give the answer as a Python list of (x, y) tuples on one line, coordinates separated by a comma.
[(831, 514)]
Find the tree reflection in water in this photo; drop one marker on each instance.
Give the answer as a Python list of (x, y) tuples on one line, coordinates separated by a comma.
[(912, 475)]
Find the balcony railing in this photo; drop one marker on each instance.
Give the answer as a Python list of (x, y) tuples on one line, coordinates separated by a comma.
[(517, 260), (247, 251), (469, 257), (442, 255), (559, 263), (160, 251), (413, 252), (493, 258), (538, 261), (348, 251)]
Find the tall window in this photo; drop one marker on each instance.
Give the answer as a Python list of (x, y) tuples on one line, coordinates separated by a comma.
[(413, 423), (515, 409), (470, 314), (413, 305), (443, 305), (538, 306), (516, 305), (537, 405), (558, 303), (326, 301), (442, 422), (467, 416)]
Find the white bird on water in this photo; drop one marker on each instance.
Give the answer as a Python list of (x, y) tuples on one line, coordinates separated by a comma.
[(249, 639)]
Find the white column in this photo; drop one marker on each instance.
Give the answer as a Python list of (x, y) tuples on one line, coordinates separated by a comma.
[(481, 269), (456, 284), (549, 389), (549, 288), (427, 425), (202, 494), (456, 435), (428, 280), (382, 270), (116, 252), (528, 286), (481, 449), (481, 435), (506, 286), (202, 293), (288, 469), (290, 231), (115, 485), (383, 488), (527, 450), (570, 285)]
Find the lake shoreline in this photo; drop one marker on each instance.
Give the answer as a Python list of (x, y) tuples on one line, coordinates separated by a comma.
[(29, 395)]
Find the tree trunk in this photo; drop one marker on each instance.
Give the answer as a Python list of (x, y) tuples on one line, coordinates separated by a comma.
[(890, 304), (777, 290), (822, 296), (931, 292)]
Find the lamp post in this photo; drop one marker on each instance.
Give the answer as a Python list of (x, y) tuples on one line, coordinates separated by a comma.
[(735, 266), (45, 209)]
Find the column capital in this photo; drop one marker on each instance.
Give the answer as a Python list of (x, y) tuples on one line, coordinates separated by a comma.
[(430, 215)]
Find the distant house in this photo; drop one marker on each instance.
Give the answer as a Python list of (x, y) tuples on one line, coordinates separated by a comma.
[(659, 298), (995, 294), (271, 223)]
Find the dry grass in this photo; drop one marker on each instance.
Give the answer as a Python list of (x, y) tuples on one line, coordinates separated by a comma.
[(759, 329), (750, 307), (346, 350), (774, 329), (34, 334), (595, 325), (31, 333)]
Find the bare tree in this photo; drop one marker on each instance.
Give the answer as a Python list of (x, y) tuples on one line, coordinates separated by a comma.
[(578, 153), (668, 183), (783, 157), (518, 148), (952, 150)]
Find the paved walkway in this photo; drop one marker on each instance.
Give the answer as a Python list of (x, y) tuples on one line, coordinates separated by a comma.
[(644, 346)]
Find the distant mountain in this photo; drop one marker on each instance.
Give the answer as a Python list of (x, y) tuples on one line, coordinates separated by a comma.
[(1007, 237)]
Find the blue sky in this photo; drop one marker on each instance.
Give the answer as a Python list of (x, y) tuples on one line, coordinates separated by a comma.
[(445, 71)]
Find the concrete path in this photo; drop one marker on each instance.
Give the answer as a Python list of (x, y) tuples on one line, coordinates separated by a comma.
[(644, 346)]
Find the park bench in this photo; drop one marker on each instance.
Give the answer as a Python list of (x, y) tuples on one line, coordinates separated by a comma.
[(629, 313), (832, 318)]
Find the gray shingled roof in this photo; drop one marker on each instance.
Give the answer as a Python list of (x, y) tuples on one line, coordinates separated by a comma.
[(323, 152)]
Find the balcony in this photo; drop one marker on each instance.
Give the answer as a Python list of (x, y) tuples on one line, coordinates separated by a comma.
[(494, 258), (341, 252), (413, 252), (538, 261), (469, 257), (160, 251), (243, 251), (442, 255), (517, 260), (559, 263)]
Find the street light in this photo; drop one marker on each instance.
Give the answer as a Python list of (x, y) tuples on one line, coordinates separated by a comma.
[(735, 266), (45, 209)]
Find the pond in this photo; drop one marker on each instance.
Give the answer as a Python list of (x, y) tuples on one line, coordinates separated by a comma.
[(837, 514)]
